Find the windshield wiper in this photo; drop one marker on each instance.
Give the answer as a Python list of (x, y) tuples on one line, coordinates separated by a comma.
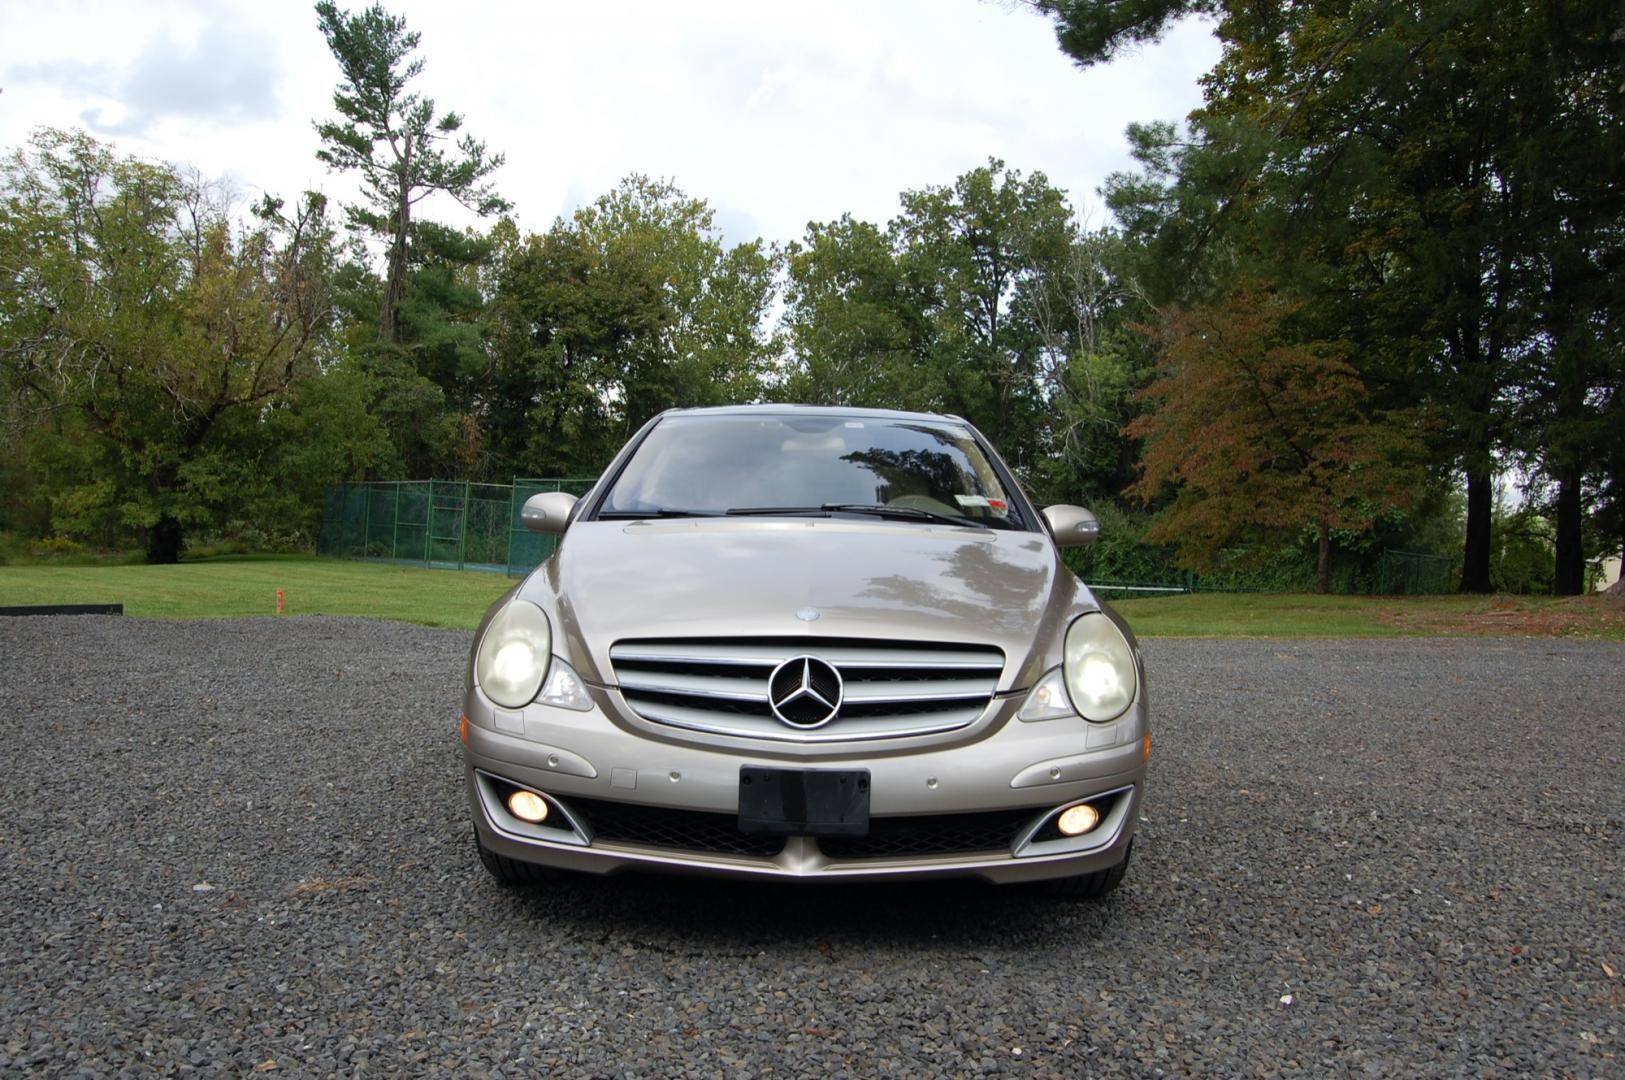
[(658, 512), (906, 513)]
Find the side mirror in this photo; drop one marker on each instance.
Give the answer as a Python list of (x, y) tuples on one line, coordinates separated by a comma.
[(548, 512), (1073, 526)]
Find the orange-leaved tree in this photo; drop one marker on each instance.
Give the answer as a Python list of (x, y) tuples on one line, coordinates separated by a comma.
[(1261, 432)]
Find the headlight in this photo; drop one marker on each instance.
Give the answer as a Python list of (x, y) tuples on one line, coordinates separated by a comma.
[(1101, 678), (513, 655)]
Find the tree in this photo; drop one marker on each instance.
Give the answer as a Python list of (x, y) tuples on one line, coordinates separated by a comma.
[(986, 246), (981, 298), (1578, 309), (393, 138), (1090, 361), (557, 325), (141, 321), (1097, 31), (708, 346), (858, 325), (1259, 434), (632, 306), (1415, 164), (278, 461)]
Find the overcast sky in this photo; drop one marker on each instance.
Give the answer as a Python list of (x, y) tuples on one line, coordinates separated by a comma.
[(775, 112)]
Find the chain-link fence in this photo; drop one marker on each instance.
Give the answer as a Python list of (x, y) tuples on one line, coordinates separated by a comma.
[(441, 523), (1409, 573), (525, 548), (452, 523), (1392, 573)]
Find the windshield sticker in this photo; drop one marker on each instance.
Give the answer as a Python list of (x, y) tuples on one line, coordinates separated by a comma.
[(971, 500)]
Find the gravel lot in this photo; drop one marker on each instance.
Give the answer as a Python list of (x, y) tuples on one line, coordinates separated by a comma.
[(244, 845)]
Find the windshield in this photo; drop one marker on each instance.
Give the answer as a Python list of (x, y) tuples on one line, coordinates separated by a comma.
[(722, 464)]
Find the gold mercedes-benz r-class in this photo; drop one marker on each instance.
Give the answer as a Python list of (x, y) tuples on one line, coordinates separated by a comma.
[(806, 643)]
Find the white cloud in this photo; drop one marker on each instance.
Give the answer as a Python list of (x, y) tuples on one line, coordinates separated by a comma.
[(777, 113)]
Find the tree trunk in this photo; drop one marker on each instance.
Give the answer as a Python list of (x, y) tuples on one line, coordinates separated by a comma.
[(389, 320), (1323, 566), (164, 541), (1475, 562), (1571, 565)]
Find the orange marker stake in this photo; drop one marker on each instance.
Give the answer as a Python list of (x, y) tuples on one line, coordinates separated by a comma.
[(279, 601)]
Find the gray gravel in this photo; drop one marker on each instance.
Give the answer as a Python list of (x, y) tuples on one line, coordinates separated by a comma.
[(232, 844)]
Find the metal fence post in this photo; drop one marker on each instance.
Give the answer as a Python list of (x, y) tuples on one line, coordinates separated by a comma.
[(513, 515), (428, 529), (462, 532)]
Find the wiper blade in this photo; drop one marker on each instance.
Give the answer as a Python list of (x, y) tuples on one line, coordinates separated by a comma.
[(659, 512), (774, 511), (906, 513), (913, 512)]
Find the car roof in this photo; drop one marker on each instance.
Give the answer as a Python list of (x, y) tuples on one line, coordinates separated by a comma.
[(812, 410)]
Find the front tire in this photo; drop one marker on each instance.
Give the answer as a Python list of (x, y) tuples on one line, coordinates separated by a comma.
[(1094, 886)]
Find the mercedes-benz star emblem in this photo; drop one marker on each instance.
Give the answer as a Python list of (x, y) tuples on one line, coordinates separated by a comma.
[(805, 692)]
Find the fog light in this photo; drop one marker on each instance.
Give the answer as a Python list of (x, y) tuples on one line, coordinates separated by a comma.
[(528, 806), (1077, 820)]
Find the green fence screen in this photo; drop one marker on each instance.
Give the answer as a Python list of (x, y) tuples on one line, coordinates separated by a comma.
[(1393, 573), (442, 523), (1408, 573), (452, 523)]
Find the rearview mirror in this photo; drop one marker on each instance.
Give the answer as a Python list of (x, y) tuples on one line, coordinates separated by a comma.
[(1073, 526), (548, 512)]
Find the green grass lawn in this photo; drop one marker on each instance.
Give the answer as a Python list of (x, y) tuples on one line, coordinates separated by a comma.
[(235, 586), (1252, 615)]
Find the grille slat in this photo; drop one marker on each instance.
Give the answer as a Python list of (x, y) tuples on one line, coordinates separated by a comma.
[(841, 654), (891, 689), (701, 685), (916, 690)]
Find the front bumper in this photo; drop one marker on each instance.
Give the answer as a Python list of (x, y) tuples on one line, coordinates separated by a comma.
[(970, 810)]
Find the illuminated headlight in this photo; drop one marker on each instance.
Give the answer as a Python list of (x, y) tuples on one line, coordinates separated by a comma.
[(513, 655), (1101, 678)]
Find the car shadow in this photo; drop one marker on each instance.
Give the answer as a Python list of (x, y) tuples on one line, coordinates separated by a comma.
[(743, 915)]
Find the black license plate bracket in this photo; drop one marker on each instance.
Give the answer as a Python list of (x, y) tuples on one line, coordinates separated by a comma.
[(803, 802)]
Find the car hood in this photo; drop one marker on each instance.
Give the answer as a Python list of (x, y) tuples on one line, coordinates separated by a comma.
[(696, 578)]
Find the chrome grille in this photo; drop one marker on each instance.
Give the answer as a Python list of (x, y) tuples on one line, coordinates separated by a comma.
[(889, 689)]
